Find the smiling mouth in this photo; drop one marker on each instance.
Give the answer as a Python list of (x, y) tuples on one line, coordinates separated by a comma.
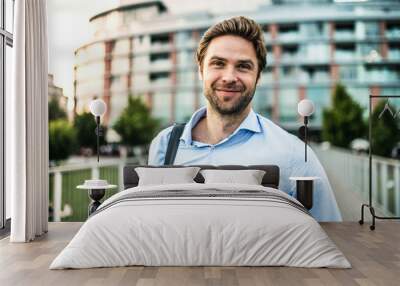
[(228, 90), (227, 94)]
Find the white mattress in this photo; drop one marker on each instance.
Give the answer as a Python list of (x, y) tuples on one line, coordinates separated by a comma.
[(183, 231)]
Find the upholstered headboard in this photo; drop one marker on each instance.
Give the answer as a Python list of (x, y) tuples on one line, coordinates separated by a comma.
[(270, 179)]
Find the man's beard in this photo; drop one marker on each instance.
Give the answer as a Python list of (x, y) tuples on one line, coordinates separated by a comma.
[(218, 104)]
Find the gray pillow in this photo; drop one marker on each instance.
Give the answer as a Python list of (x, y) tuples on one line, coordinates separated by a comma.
[(249, 177), (163, 176)]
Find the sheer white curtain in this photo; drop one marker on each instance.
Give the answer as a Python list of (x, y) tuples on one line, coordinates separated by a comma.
[(26, 123)]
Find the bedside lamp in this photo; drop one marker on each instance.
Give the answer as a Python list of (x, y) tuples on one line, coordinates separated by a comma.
[(304, 185), (305, 108), (98, 108), (96, 187)]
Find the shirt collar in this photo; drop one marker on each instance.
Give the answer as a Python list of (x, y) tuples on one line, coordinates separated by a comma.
[(250, 123)]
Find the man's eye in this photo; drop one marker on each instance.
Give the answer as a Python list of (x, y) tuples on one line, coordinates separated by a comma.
[(218, 64), (244, 66)]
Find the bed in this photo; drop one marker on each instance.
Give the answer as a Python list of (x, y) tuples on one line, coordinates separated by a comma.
[(201, 224)]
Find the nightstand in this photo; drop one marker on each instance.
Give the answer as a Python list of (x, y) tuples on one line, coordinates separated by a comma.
[(304, 190), (96, 190)]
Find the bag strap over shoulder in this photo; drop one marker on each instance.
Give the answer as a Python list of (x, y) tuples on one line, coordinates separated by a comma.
[(173, 143)]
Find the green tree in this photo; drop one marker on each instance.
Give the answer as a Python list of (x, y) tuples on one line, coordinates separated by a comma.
[(55, 111), (85, 126), (61, 140), (135, 124), (343, 122), (385, 131)]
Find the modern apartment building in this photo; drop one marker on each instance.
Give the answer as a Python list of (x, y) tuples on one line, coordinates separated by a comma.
[(56, 92), (140, 48)]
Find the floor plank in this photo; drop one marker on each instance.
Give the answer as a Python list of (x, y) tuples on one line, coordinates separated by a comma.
[(374, 255)]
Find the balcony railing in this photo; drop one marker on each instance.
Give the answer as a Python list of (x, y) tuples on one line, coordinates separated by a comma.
[(348, 173), (67, 203), (161, 65), (344, 35)]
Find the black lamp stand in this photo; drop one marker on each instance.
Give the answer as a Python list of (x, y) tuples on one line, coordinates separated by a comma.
[(305, 137), (96, 195), (369, 205), (99, 132)]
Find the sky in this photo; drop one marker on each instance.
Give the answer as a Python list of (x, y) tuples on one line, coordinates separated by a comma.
[(68, 27)]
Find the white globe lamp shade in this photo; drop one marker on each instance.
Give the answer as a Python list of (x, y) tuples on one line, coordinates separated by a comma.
[(98, 107), (305, 107)]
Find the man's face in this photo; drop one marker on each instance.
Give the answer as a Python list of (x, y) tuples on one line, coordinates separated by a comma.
[(229, 74)]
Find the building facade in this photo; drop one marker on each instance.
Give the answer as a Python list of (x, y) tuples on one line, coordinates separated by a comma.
[(141, 49), (56, 92)]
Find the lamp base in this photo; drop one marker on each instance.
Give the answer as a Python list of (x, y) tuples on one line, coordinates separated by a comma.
[(96, 195), (305, 192), (96, 189)]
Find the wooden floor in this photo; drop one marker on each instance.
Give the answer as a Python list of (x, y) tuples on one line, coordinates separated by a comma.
[(374, 255)]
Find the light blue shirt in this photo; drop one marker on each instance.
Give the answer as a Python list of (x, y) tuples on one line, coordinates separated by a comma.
[(256, 141)]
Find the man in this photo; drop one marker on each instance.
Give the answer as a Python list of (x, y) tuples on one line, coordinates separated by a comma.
[(231, 56)]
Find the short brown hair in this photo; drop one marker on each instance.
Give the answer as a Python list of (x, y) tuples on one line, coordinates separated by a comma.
[(237, 26)]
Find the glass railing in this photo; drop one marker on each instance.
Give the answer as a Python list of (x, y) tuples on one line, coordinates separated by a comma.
[(345, 56), (160, 83), (157, 47), (161, 65), (292, 36), (345, 35), (66, 202), (348, 173), (395, 33), (394, 55)]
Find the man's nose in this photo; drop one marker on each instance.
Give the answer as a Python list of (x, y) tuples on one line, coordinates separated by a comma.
[(229, 75)]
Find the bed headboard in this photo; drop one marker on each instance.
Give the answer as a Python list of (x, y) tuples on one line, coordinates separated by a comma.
[(270, 179)]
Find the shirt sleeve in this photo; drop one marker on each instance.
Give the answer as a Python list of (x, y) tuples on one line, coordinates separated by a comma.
[(158, 147), (325, 207)]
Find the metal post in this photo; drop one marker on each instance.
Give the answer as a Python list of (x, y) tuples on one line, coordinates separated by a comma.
[(57, 196), (384, 188), (397, 189), (120, 177), (305, 137), (371, 208), (370, 152), (98, 135), (95, 173)]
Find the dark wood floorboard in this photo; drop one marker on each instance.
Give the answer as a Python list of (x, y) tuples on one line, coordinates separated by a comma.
[(374, 255)]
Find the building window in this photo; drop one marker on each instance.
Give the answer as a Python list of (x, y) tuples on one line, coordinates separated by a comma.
[(288, 32), (314, 74), (371, 29), (313, 30), (289, 52), (159, 39), (314, 52), (394, 51), (288, 74), (348, 73), (393, 29), (6, 43), (288, 99), (321, 98), (345, 52), (344, 30), (370, 52), (379, 73)]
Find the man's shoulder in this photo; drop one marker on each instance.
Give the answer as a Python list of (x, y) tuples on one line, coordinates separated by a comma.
[(158, 146), (164, 134), (270, 127)]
